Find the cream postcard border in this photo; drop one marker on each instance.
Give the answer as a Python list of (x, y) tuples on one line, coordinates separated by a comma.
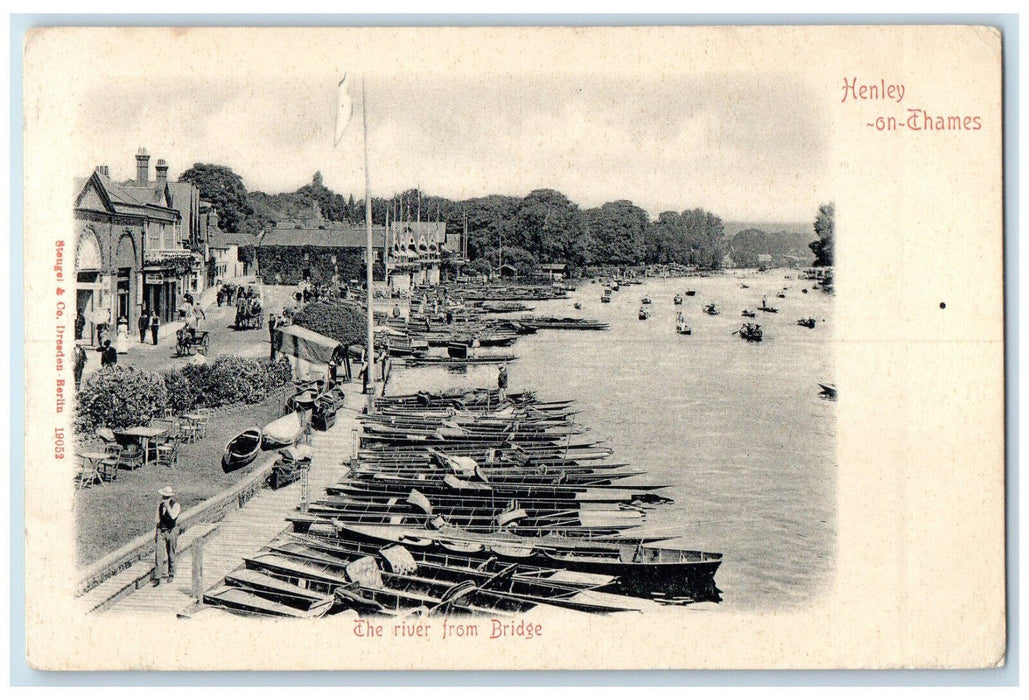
[(919, 576)]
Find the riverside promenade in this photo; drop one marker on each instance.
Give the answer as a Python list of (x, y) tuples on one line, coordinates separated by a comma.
[(245, 531)]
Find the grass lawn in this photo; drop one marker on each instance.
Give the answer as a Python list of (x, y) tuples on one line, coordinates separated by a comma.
[(108, 516)]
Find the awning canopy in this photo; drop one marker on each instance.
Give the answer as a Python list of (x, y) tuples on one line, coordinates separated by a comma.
[(305, 344)]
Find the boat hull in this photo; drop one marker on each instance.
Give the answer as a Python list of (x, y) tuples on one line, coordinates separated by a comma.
[(241, 450)]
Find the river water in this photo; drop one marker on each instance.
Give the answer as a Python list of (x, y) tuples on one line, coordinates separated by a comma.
[(737, 430)]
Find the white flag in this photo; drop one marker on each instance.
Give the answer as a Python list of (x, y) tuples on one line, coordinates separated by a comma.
[(345, 106)]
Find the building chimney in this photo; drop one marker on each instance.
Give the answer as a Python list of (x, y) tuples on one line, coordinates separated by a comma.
[(102, 169), (162, 172), (142, 166)]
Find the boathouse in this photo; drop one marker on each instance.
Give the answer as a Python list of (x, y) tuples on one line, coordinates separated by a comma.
[(415, 251), (554, 271)]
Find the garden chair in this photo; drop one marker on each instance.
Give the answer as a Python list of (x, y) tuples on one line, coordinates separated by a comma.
[(108, 468), (168, 453), (89, 474), (173, 427), (189, 430), (203, 422), (131, 457)]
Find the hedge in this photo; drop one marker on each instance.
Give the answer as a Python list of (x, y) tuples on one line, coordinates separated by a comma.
[(338, 321), (122, 396)]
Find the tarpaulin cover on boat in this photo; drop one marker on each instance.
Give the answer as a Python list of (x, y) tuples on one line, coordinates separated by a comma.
[(297, 453), (304, 343), (365, 572), (418, 499), (399, 559), (455, 483), (462, 466)]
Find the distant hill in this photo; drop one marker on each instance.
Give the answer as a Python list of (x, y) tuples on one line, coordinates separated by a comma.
[(751, 247), (802, 228)]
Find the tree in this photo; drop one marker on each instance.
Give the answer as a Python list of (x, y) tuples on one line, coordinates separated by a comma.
[(551, 228), (693, 237), (225, 190), (825, 228), (617, 233)]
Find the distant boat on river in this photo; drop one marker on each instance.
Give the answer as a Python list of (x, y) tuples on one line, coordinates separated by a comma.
[(751, 332)]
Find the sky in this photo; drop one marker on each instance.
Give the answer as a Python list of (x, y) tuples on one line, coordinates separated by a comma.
[(746, 147)]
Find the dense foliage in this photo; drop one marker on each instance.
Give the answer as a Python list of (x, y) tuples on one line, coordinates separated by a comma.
[(231, 379), (543, 226), (225, 190), (122, 396), (825, 228), (339, 321), (286, 264)]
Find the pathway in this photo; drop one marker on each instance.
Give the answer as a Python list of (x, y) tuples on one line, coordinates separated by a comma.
[(245, 531)]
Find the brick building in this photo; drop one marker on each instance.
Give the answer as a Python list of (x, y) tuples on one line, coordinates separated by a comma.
[(134, 245)]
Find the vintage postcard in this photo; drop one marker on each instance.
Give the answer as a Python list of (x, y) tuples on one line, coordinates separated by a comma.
[(514, 348)]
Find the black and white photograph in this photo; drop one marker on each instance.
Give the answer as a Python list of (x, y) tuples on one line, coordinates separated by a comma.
[(474, 343)]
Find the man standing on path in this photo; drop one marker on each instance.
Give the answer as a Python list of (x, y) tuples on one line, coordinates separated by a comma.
[(155, 326), (144, 324), (502, 381), (79, 366), (167, 535), (271, 335)]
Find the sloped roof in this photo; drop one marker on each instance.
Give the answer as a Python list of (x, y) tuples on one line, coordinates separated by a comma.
[(348, 237), (220, 239), (150, 193), (181, 197), (123, 199)]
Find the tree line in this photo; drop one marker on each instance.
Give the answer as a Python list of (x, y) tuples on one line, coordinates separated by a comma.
[(544, 226)]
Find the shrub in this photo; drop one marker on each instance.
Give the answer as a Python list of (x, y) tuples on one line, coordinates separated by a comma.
[(341, 322), (120, 396), (182, 393), (123, 396), (231, 379), (198, 379), (280, 373)]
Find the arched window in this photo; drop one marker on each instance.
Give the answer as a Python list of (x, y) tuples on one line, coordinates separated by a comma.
[(125, 257), (87, 253)]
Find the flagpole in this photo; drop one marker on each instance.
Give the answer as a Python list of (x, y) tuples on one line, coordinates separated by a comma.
[(370, 352)]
